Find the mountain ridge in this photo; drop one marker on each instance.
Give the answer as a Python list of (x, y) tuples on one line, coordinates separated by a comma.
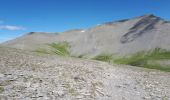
[(122, 37)]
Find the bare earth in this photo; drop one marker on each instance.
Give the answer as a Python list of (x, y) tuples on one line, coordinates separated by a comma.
[(26, 76)]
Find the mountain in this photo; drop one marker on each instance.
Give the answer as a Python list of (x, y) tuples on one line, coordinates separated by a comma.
[(26, 75), (122, 37)]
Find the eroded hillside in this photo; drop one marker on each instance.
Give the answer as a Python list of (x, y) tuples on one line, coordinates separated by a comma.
[(24, 75)]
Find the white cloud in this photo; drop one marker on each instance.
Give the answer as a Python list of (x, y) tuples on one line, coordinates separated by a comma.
[(83, 31), (11, 28)]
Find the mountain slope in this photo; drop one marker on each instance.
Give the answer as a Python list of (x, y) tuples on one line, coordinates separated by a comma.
[(31, 40), (24, 75), (121, 37)]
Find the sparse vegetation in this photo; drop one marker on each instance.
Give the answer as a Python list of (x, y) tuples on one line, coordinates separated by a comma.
[(142, 59), (61, 49), (72, 78), (104, 57), (41, 51), (73, 92), (5, 83), (1, 89), (80, 56)]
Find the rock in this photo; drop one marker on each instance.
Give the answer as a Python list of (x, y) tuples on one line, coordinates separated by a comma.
[(1, 75)]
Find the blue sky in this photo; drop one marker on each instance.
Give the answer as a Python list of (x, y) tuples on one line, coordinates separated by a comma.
[(18, 17)]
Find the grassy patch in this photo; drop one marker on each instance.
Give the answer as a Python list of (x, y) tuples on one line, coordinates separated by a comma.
[(104, 57), (61, 49), (1, 89), (142, 59), (41, 51), (5, 83)]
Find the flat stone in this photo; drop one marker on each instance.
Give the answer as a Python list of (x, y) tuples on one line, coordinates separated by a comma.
[(1, 75)]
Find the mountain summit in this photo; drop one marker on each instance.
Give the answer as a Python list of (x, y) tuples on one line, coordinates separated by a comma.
[(145, 24), (122, 37)]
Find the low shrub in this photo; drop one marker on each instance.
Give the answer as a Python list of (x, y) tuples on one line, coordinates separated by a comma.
[(41, 51), (104, 57), (61, 48), (141, 59)]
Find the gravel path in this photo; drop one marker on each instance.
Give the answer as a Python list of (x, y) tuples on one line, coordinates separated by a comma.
[(25, 76)]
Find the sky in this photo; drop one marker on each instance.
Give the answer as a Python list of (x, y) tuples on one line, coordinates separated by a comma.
[(18, 17)]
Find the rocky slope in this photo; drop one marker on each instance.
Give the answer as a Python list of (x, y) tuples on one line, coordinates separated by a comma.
[(24, 75), (121, 37)]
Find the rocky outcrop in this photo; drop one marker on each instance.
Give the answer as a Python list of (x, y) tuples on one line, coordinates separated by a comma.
[(144, 25)]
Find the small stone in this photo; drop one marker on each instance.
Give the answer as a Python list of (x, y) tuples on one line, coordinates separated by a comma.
[(41, 81), (80, 97), (1, 75)]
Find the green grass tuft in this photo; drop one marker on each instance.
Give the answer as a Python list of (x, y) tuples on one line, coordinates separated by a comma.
[(1, 89), (80, 56), (61, 48), (142, 59), (104, 57), (41, 51)]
